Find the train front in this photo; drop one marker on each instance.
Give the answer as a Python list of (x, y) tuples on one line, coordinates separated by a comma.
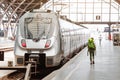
[(37, 40)]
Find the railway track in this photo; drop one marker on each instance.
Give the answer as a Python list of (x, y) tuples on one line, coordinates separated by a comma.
[(14, 76)]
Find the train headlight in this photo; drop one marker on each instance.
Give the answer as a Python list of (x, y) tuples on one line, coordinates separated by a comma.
[(23, 43), (47, 43)]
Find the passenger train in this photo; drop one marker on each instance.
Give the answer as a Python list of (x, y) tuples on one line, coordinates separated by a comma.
[(47, 39)]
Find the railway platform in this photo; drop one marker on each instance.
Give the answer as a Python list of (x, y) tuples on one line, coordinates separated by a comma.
[(6, 54), (106, 67)]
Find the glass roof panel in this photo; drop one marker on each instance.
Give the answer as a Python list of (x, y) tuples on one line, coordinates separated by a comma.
[(85, 10)]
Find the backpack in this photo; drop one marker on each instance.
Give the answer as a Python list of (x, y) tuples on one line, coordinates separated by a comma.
[(91, 45)]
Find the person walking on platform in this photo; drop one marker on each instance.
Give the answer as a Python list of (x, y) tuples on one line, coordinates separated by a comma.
[(91, 49), (100, 39)]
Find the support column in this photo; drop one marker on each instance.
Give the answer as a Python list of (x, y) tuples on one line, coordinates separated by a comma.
[(109, 33)]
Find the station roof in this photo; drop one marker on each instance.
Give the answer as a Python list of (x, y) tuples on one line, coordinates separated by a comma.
[(13, 9)]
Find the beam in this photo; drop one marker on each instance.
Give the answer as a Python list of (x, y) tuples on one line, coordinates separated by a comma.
[(9, 7), (118, 1), (24, 10), (15, 11), (1, 1), (6, 21), (97, 23), (8, 15)]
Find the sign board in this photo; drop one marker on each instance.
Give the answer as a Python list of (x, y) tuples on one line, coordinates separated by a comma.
[(107, 29), (97, 17)]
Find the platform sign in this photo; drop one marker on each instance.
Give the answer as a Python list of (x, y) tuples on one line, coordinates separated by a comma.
[(107, 29), (97, 17)]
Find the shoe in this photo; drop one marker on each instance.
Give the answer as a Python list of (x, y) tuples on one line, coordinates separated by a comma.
[(93, 62)]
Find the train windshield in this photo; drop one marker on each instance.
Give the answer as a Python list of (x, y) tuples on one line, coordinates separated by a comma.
[(37, 28)]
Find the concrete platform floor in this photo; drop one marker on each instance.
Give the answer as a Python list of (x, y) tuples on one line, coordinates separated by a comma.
[(106, 67)]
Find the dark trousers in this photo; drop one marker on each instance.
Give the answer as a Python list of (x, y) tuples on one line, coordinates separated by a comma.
[(91, 55)]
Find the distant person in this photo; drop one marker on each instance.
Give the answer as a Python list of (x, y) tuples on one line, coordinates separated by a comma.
[(91, 49), (100, 39)]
